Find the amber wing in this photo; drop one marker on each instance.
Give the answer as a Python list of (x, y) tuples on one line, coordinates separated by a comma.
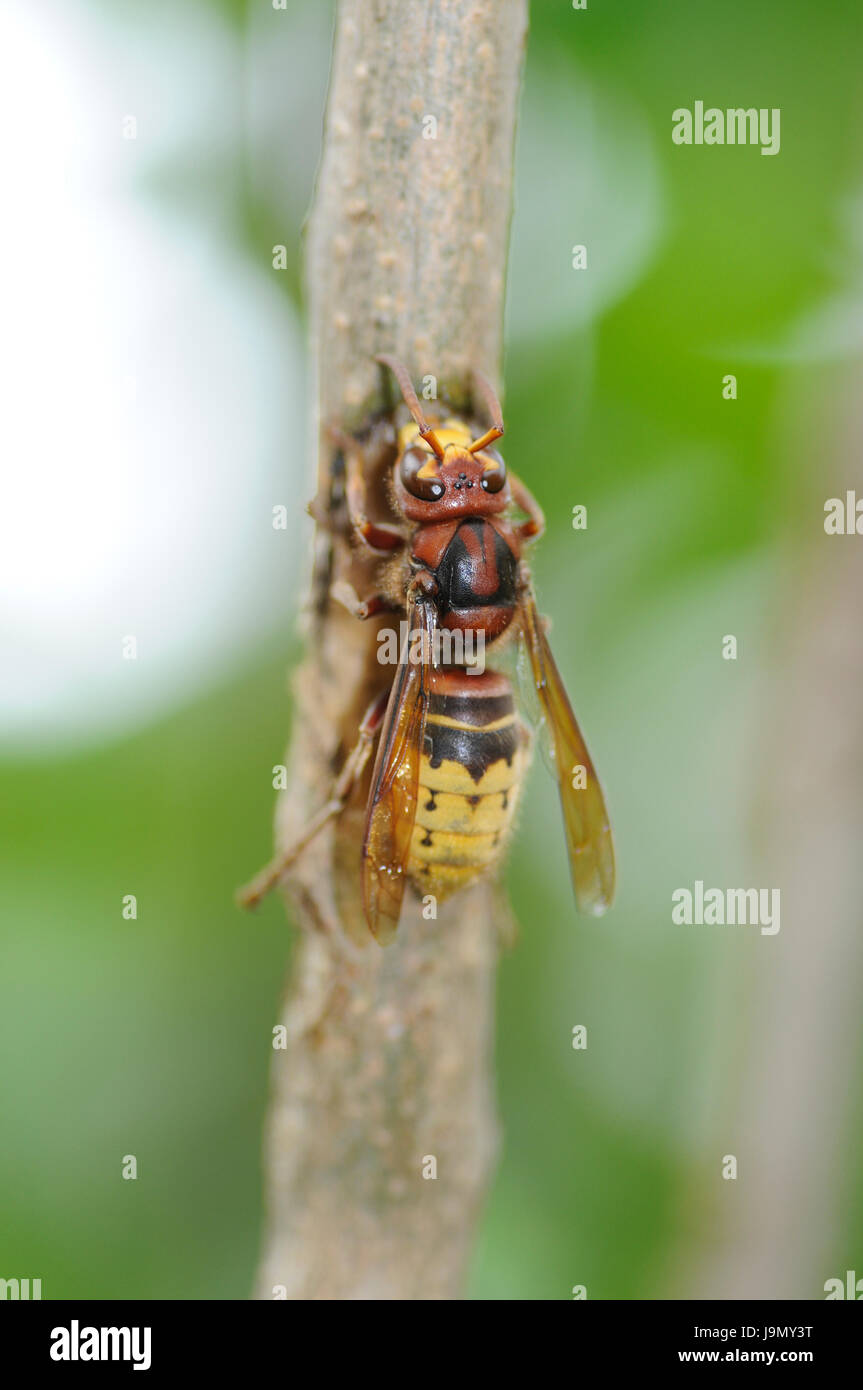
[(392, 804), (588, 833)]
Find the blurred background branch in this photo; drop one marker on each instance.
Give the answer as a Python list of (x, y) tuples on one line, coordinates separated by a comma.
[(388, 1065)]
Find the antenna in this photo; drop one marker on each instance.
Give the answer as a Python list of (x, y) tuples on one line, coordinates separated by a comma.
[(489, 395), (400, 373)]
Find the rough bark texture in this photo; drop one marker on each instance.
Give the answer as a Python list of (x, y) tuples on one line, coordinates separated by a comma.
[(389, 1056)]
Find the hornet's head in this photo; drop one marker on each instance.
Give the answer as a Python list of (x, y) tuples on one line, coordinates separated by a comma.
[(443, 472), (457, 482)]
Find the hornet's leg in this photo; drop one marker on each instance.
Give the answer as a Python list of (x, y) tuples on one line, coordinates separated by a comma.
[(341, 789), (535, 525), (378, 536), (345, 594)]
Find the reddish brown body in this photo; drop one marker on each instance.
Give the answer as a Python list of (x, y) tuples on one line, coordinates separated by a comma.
[(475, 564), (451, 752)]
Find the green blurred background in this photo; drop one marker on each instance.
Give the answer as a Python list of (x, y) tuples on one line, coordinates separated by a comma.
[(152, 1037)]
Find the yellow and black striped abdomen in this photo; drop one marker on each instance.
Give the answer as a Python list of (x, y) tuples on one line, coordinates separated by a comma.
[(472, 767)]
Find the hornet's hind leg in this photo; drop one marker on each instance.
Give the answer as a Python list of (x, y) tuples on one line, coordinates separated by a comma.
[(341, 789)]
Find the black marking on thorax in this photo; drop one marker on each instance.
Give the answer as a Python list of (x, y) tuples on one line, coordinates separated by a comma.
[(477, 570)]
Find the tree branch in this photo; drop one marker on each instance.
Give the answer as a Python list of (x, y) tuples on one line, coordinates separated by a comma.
[(389, 1053)]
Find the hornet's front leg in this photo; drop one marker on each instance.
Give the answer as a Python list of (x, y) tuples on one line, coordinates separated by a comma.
[(533, 528)]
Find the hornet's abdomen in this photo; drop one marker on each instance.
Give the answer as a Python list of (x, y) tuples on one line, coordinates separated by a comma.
[(473, 764), (477, 576)]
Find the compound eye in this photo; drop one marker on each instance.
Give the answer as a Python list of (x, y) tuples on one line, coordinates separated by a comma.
[(420, 472), (494, 473)]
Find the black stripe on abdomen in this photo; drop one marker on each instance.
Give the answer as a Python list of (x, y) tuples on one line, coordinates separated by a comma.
[(474, 749), (470, 708)]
